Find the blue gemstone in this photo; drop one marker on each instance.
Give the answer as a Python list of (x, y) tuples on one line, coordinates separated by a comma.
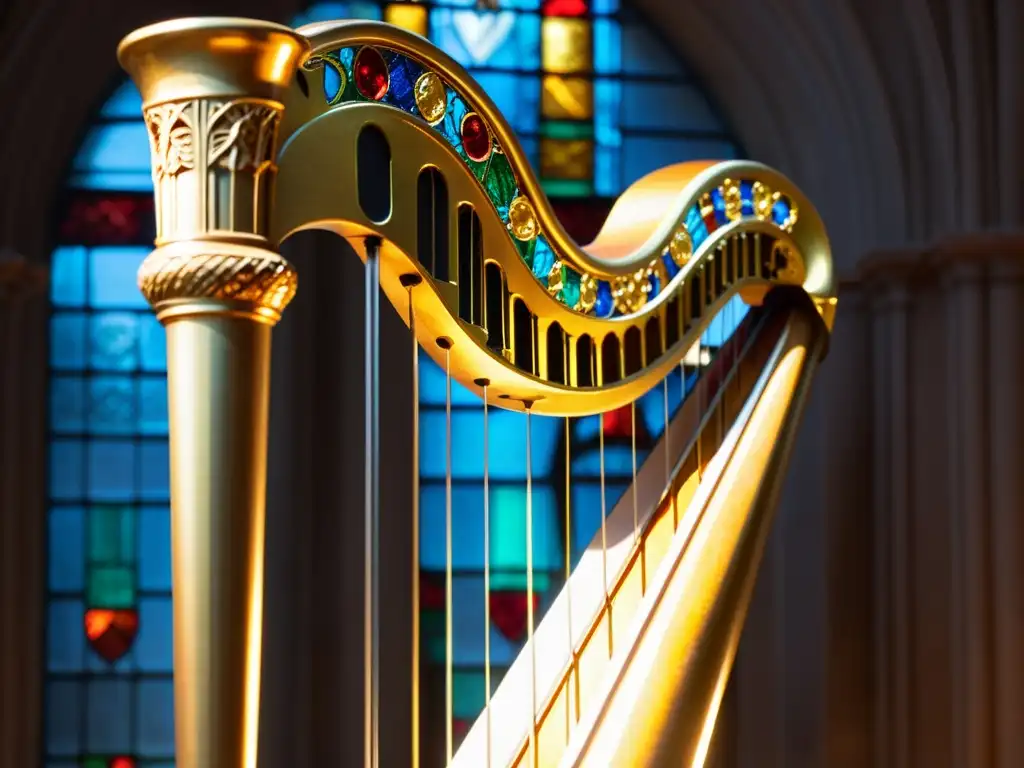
[(543, 260), (347, 56), (655, 284), (604, 305), (747, 197), (403, 76), (696, 227), (780, 211), (332, 81), (670, 265), (718, 203)]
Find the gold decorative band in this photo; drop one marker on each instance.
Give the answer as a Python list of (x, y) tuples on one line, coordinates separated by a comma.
[(184, 277)]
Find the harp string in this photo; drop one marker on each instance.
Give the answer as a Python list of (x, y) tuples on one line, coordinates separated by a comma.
[(487, 582), (529, 593), (371, 610), (415, 711), (448, 645)]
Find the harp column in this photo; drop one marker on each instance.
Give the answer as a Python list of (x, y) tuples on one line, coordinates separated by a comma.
[(212, 94)]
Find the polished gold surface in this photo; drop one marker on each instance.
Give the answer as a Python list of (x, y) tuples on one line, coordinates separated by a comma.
[(659, 703), (212, 94)]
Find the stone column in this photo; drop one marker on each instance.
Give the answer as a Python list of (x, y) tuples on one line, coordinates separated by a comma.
[(212, 94), (23, 369)]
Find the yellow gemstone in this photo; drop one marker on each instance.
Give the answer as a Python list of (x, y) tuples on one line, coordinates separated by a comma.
[(763, 200), (588, 293), (733, 199), (522, 220), (555, 278), (680, 247), (430, 97), (630, 291)]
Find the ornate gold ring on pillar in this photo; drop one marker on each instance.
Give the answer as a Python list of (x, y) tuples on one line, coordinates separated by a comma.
[(211, 92)]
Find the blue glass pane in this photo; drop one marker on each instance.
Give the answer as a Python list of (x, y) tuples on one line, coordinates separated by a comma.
[(604, 6), (66, 552), (126, 102), (112, 278), (108, 715), (618, 460), (67, 475), (586, 514), (667, 107), (642, 53), (607, 46), (112, 405), (119, 149), (468, 626), (508, 528), (117, 182), (154, 548), (607, 98), (586, 428), (156, 468), (519, 5), (643, 154), (65, 636), (651, 408), (507, 444), (153, 406), (67, 341), (67, 404), (153, 341), (607, 171), (67, 277), (724, 324), (432, 386), (63, 717), (516, 96), (154, 651), (114, 341), (111, 470), (155, 709), (503, 39)]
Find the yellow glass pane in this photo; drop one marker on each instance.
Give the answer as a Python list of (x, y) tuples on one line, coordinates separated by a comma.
[(567, 98), (407, 16), (565, 45), (566, 158)]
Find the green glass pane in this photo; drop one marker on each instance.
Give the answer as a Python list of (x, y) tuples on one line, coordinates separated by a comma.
[(567, 187), (110, 587), (432, 634), (468, 694), (111, 535), (508, 530), (94, 762), (560, 129), (516, 582)]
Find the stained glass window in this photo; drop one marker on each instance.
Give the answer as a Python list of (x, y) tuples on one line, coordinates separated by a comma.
[(597, 100)]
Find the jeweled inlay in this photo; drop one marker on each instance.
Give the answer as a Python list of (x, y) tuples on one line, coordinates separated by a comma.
[(382, 75)]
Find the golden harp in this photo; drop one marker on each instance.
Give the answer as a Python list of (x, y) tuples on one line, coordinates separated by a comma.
[(256, 131)]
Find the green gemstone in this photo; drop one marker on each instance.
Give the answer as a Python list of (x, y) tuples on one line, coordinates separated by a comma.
[(526, 249), (111, 535), (570, 293), (500, 183), (110, 587)]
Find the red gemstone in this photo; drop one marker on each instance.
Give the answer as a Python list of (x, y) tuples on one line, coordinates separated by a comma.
[(371, 73), (564, 7), (111, 632), (476, 139), (508, 612)]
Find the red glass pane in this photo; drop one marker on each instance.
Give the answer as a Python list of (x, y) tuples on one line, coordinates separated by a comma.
[(109, 219), (583, 219), (508, 612), (618, 423), (111, 632), (122, 762), (564, 7), (431, 593)]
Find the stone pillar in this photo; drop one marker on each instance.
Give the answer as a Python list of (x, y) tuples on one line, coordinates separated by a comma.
[(23, 368)]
